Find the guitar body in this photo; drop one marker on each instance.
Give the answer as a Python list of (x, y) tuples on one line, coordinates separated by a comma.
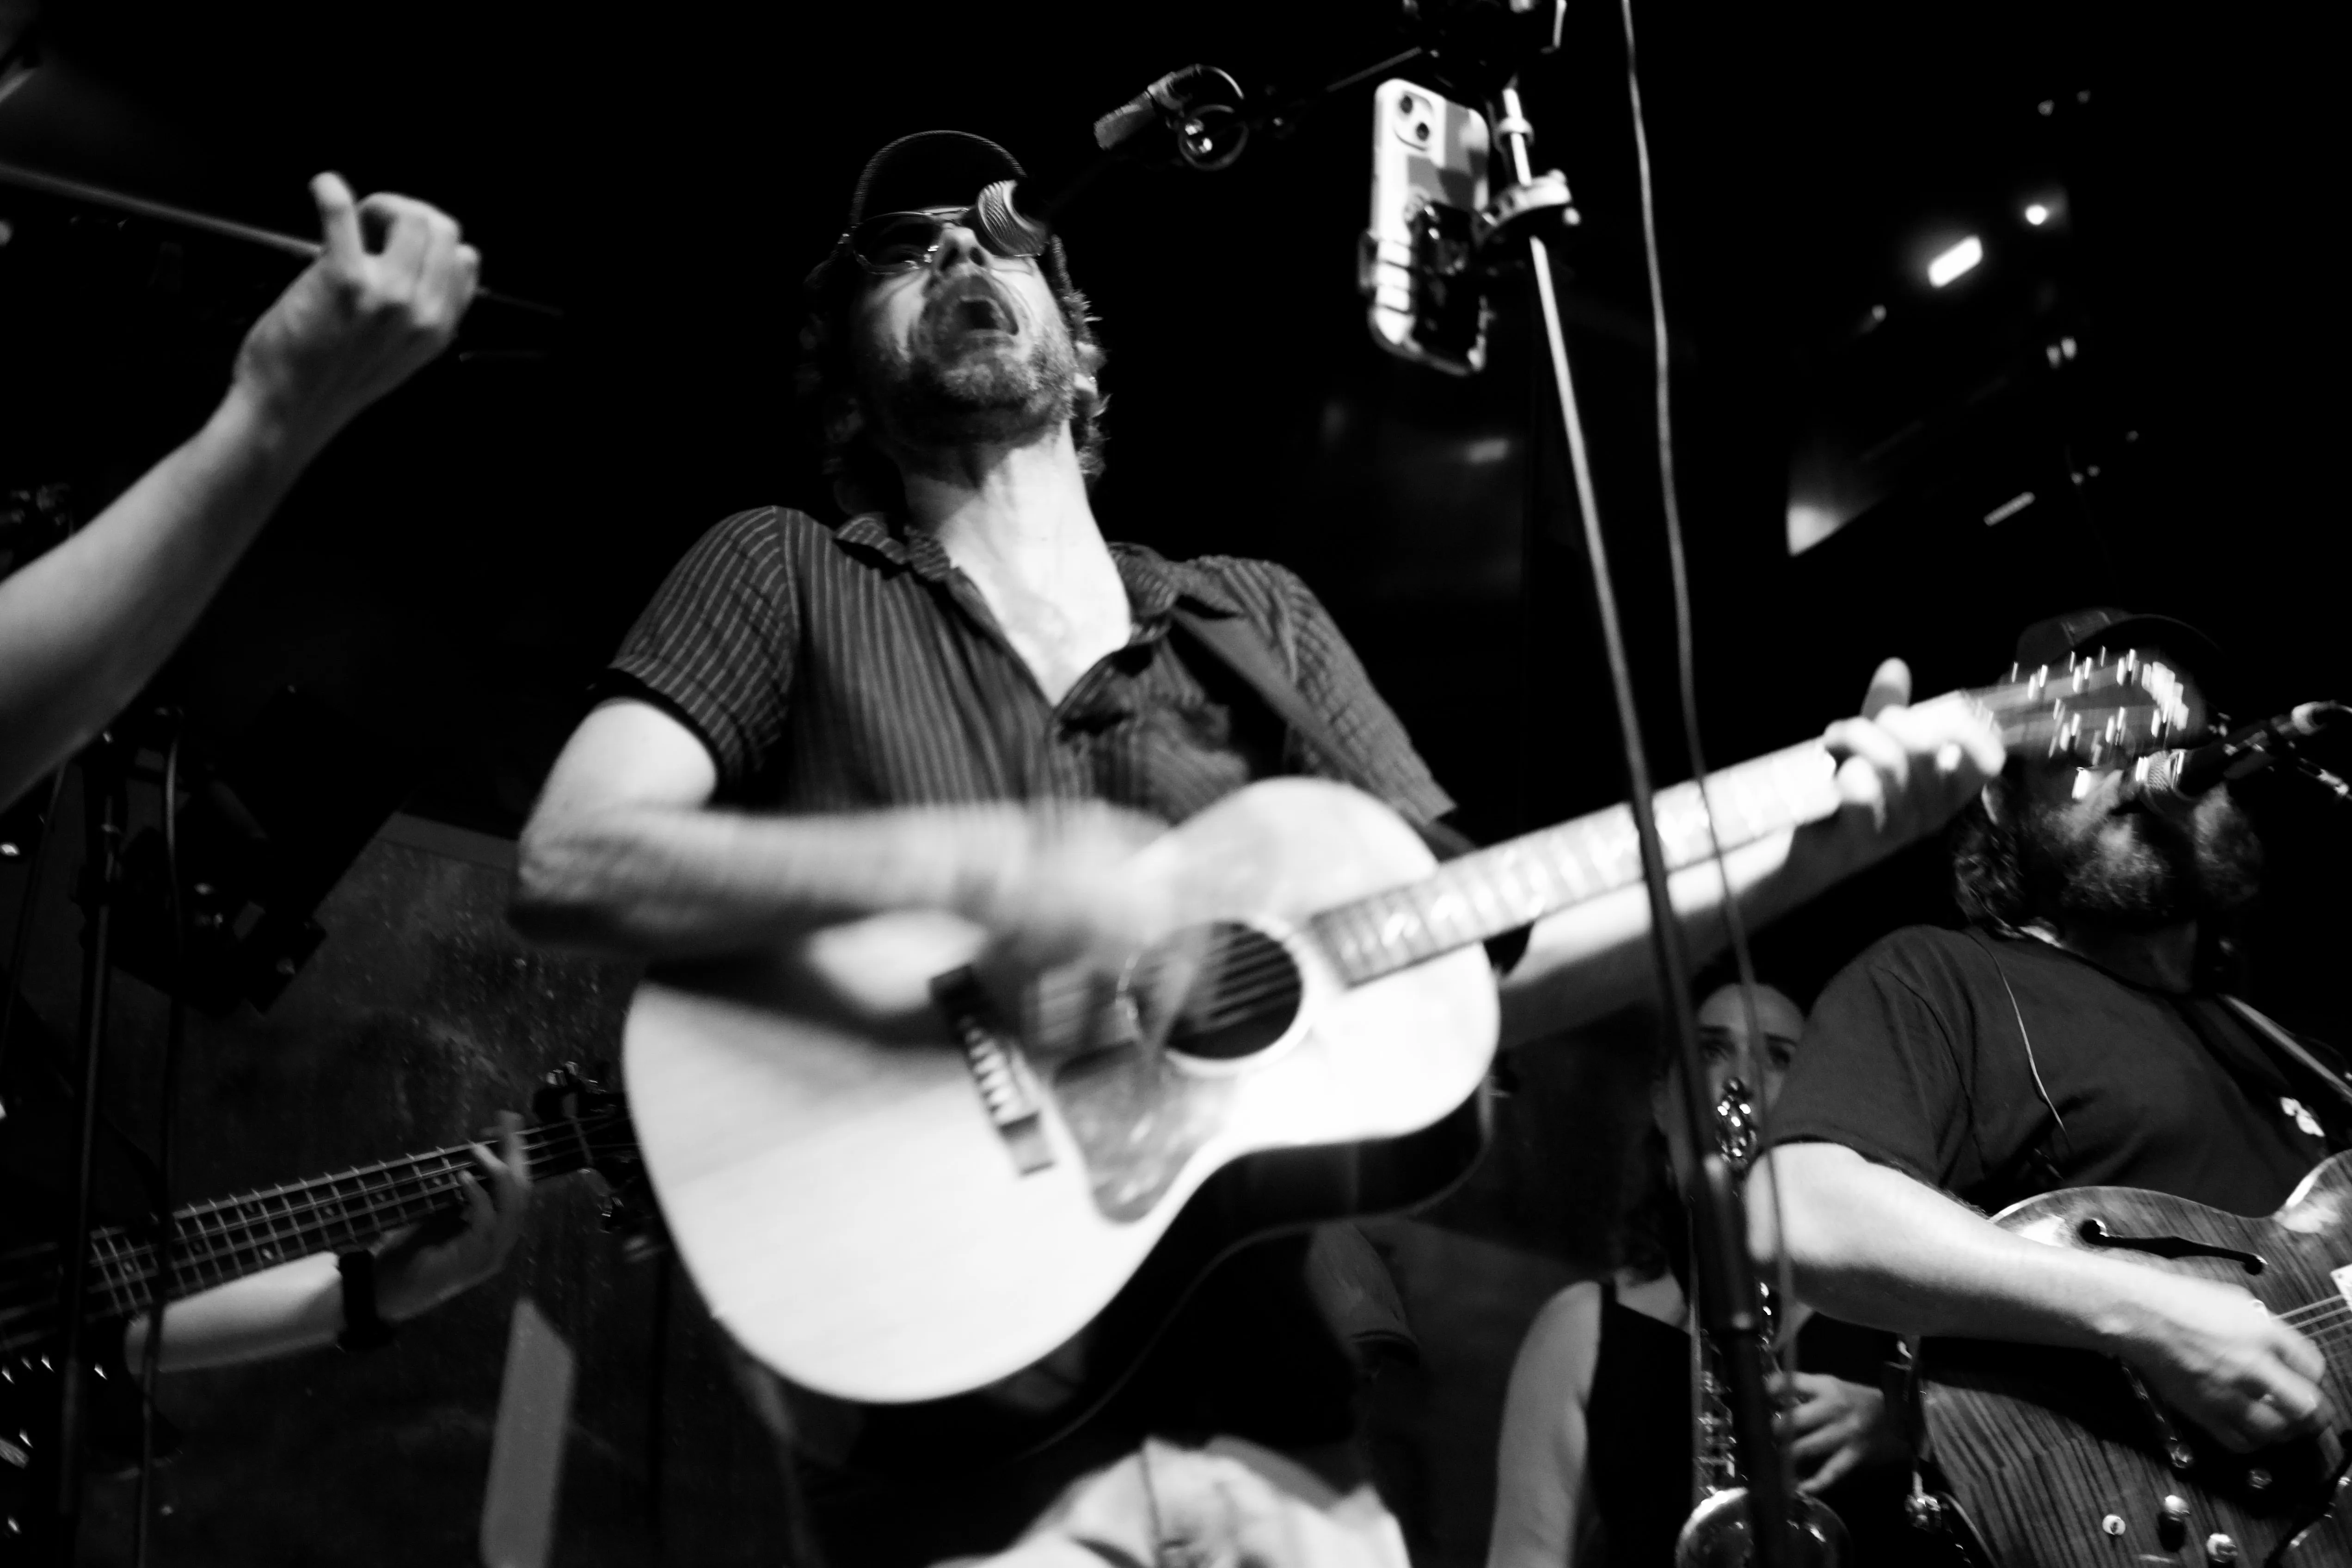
[(840, 1177), (2044, 1448)]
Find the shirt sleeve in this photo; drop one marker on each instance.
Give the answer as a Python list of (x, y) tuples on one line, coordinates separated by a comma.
[(1333, 681), (1880, 1071), (715, 647)]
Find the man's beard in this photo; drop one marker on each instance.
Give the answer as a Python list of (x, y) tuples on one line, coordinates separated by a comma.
[(2138, 868), (954, 385)]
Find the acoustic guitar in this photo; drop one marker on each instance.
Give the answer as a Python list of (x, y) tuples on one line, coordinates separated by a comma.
[(896, 1179), (2062, 1460)]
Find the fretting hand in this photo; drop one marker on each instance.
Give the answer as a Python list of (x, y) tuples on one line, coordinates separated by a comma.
[(416, 1274), (382, 300), (1904, 772)]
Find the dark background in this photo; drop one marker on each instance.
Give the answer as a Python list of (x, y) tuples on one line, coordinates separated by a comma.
[(456, 568), (459, 567)]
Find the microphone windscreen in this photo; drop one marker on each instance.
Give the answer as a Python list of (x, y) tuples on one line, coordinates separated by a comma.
[(1129, 118), (1001, 225)]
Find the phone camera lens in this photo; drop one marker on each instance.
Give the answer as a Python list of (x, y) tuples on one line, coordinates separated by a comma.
[(1406, 105), (1420, 132)]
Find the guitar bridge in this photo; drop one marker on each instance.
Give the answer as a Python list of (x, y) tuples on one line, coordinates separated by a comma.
[(1000, 1072)]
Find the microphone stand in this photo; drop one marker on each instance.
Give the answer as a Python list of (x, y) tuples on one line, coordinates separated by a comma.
[(106, 767), (1729, 1303)]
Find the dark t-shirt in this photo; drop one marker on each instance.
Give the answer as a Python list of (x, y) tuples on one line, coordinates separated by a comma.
[(1998, 1067)]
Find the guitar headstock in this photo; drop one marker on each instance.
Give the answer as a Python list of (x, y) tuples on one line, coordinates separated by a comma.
[(583, 1122), (2098, 709), (589, 1121)]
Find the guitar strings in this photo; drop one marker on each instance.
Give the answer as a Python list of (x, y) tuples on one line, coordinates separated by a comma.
[(1268, 975), (423, 1182)]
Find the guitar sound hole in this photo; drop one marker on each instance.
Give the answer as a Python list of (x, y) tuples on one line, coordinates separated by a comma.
[(1227, 991)]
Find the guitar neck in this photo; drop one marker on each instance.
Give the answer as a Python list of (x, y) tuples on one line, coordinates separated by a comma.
[(2093, 709), (229, 1238), (1522, 880)]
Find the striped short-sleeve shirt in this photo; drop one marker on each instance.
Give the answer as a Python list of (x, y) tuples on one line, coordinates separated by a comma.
[(857, 667)]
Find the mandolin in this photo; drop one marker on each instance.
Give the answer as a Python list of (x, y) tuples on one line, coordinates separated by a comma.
[(898, 1179)]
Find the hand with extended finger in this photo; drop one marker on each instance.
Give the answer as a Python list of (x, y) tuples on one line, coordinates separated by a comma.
[(2218, 1356), (1904, 772), (418, 1273), (383, 297)]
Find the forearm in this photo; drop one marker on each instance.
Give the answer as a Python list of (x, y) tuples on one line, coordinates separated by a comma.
[(677, 881), (294, 1307), (83, 628), (1870, 1244)]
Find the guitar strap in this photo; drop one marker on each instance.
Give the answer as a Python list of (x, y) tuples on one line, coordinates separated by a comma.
[(1235, 643), (2293, 1049), (1232, 642)]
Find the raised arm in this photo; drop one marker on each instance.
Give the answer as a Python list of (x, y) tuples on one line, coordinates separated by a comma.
[(1871, 1245), (624, 854), (84, 627), (1903, 773)]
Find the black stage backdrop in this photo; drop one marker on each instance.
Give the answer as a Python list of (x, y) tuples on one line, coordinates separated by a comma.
[(454, 571)]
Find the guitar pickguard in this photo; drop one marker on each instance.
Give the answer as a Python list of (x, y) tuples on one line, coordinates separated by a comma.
[(1138, 1118)]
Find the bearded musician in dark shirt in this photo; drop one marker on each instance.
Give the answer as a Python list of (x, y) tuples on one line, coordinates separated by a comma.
[(2074, 1036)]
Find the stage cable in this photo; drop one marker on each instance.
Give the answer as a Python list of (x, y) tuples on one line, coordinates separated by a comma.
[(159, 1278), (24, 933), (1685, 639)]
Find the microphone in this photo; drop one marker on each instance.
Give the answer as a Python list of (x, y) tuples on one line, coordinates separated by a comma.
[(1197, 103), (1199, 107), (2193, 772)]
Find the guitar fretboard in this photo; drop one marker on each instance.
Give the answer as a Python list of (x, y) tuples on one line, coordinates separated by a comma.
[(214, 1243), (1512, 884)]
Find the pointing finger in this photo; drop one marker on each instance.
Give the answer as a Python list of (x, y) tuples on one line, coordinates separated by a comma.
[(1890, 687), (338, 223)]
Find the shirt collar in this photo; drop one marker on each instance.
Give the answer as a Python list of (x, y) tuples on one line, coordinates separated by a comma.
[(1154, 584)]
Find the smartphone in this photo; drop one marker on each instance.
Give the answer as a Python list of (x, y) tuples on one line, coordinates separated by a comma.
[(1421, 290)]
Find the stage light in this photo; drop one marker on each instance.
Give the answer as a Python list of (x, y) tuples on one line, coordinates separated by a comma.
[(2037, 214), (1960, 258)]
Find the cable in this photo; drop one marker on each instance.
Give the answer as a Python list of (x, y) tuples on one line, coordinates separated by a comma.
[(1686, 641), (24, 920), (159, 1278)]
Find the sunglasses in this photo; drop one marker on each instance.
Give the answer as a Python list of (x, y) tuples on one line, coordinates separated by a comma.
[(891, 243)]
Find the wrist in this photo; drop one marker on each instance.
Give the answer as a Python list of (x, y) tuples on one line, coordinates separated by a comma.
[(281, 432), (364, 1326), (990, 859)]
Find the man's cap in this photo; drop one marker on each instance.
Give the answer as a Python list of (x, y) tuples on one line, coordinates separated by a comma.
[(2049, 641), (930, 169)]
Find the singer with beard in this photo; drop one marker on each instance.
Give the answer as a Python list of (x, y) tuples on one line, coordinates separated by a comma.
[(963, 698), (2071, 1035)]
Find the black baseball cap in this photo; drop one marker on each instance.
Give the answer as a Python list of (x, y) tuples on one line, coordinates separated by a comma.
[(2048, 642), (930, 169), (2101, 626)]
